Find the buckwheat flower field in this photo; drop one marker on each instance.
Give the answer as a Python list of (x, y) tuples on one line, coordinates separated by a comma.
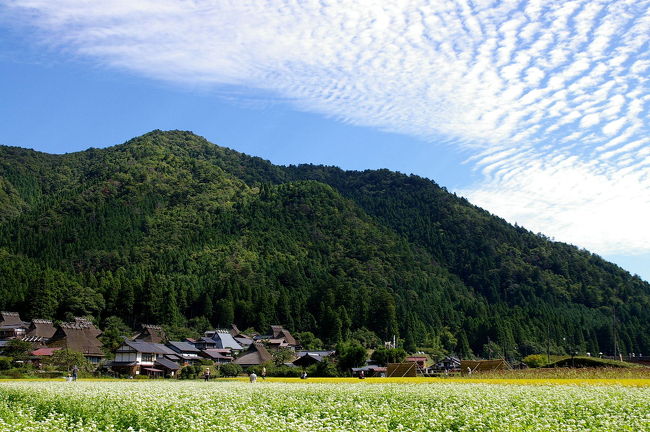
[(280, 406)]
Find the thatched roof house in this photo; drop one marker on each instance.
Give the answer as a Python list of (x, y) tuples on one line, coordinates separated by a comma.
[(151, 333), (256, 355), (10, 318), (41, 328), (279, 332), (80, 336)]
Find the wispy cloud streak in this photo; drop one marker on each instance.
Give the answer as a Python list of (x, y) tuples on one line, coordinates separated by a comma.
[(551, 98)]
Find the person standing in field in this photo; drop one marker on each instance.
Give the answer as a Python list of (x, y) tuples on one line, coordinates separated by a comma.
[(253, 377), (264, 373), (206, 375), (75, 372)]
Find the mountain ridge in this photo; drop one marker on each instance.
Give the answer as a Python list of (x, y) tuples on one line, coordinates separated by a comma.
[(376, 249)]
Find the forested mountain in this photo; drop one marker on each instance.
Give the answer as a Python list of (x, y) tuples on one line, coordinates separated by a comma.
[(168, 228)]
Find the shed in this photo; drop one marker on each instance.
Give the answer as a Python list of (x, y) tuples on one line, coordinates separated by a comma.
[(483, 365)]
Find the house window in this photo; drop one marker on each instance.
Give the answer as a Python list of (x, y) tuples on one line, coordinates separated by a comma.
[(147, 357)]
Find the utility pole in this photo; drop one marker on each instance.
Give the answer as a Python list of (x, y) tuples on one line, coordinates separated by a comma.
[(548, 345), (614, 333)]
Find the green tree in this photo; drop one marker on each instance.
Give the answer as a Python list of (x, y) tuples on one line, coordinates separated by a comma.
[(309, 341), (65, 360), (231, 369), (282, 356), (367, 338), (383, 356), (350, 354), (18, 350), (115, 330)]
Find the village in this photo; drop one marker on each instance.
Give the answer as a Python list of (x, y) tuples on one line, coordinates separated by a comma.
[(149, 354)]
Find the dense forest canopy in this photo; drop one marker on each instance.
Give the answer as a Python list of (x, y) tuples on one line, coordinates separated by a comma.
[(169, 228)]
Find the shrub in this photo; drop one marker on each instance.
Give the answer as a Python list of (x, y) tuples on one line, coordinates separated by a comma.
[(326, 368), (191, 372), (535, 360), (5, 363), (231, 369), (284, 371)]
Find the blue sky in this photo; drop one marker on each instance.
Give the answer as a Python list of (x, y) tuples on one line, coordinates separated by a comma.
[(537, 111)]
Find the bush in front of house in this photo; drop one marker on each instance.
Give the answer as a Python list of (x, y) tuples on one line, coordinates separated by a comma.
[(325, 369), (230, 369), (284, 371), (191, 372)]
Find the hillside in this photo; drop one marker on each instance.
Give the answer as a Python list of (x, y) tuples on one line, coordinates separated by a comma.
[(169, 228)]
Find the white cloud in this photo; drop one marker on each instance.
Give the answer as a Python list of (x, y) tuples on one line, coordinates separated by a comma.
[(552, 97)]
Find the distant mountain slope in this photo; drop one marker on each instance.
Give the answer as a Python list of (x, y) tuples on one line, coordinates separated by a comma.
[(168, 227)]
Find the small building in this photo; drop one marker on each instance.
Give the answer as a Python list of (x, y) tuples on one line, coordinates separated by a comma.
[(308, 358), (420, 360), (448, 364), (41, 354), (81, 336), (9, 318), (255, 356), (12, 326), (471, 366)]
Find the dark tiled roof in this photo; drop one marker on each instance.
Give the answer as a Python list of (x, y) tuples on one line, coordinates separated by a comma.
[(183, 347), (217, 354), (168, 364), (148, 347)]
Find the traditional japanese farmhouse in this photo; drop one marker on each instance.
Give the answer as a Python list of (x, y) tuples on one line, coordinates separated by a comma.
[(151, 333), (146, 358), (40, 332), (279, 332), (256, 355), (11, 326), (80, 336)]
